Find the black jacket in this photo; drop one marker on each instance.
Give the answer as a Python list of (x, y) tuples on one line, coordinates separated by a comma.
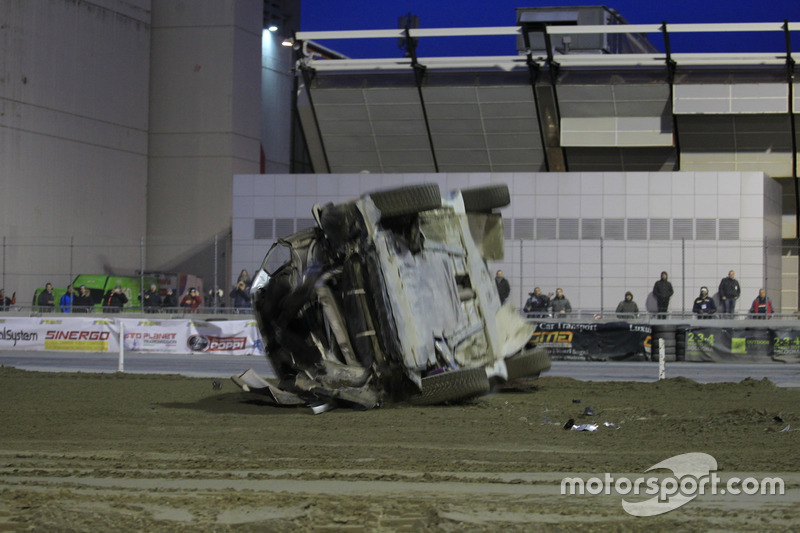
[(704, 305), (663, 290), (503, 288), (729, 287), (113, 301), (82, 304)]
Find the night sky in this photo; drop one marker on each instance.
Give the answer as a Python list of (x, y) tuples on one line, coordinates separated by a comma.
[(319, 15)]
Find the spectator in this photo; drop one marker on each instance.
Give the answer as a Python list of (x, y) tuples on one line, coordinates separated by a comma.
[(169, 303), (216, 299), (627, 308), (503, 287), (67, 300), (704, 306), (83, 302), (729, 292), (537, 303), (191, 301), (46, 300), (245, 277), (5, 301), (662, 290), (561, 305), (241, 297), (151, 299), (114, 300), (762, 306)]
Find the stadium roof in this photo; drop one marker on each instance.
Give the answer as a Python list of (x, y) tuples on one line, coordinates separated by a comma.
[(553, 108)]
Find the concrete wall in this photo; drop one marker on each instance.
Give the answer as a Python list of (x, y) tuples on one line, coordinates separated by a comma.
[(73, 137), (277, 81), (555, 223), (204, 125)]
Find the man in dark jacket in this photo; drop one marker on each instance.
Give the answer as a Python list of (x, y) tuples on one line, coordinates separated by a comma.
[(729, 292), (170, 302), (537, 304), (83, 302), (704, 306), (627, 308), (560, 304), (241, 297), (114, 300), (46, 300), (662, 290), (152, 299), (503, 287)]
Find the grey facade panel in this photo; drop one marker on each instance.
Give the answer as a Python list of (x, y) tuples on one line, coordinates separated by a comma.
[(568, 229)]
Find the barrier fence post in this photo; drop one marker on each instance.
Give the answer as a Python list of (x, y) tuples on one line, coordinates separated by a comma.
[(683, 277), (602, 278), (521, 276), (141, 272), (216, 265), (662, 360), (71, 256), (121, 360)]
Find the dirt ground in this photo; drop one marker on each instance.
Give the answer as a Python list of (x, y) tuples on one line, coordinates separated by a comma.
[(114, 452)]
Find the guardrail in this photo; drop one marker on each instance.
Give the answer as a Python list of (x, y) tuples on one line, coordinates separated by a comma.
[(654, 317), (234, 313)]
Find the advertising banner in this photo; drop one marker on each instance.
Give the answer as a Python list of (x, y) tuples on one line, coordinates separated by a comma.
[(786, 345), (178, 336), (733, 345), (619, 341), (57, 334), (238, 337)]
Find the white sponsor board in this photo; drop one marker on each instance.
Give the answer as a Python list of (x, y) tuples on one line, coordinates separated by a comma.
[(180, 336)]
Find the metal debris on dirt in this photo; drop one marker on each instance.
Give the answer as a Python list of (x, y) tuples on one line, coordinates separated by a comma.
[(570, 425)]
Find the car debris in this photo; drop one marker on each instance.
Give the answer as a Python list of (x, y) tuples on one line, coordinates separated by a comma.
[(390, 298)]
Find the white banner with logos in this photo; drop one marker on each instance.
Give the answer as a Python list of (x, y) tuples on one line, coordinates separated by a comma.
[(178, 336)]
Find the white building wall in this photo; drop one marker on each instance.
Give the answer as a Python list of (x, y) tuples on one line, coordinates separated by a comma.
[(583, 207)]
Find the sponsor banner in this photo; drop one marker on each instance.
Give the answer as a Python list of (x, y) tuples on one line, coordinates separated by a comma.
[(231, 336), (237, 337), (786, 345), (18, 334), (617, 341), (56, 334), (742, 345)]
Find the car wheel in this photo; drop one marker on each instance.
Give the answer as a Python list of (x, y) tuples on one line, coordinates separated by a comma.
[(484, 199), (527, 363), (455, 385), (407, 200)]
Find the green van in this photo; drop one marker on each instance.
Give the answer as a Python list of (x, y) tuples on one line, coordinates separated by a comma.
[(99, 285)]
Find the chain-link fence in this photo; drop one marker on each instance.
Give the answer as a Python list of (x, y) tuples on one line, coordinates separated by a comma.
[(595, 275), (30, 263)]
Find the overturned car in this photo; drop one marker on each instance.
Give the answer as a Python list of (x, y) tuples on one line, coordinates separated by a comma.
[(389, 298)]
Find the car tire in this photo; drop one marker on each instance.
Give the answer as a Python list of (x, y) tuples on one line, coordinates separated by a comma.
[(484, 199), (452, 386), (407, 200), (527, 364)]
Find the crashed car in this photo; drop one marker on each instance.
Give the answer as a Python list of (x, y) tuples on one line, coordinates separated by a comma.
[(389, 298)]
